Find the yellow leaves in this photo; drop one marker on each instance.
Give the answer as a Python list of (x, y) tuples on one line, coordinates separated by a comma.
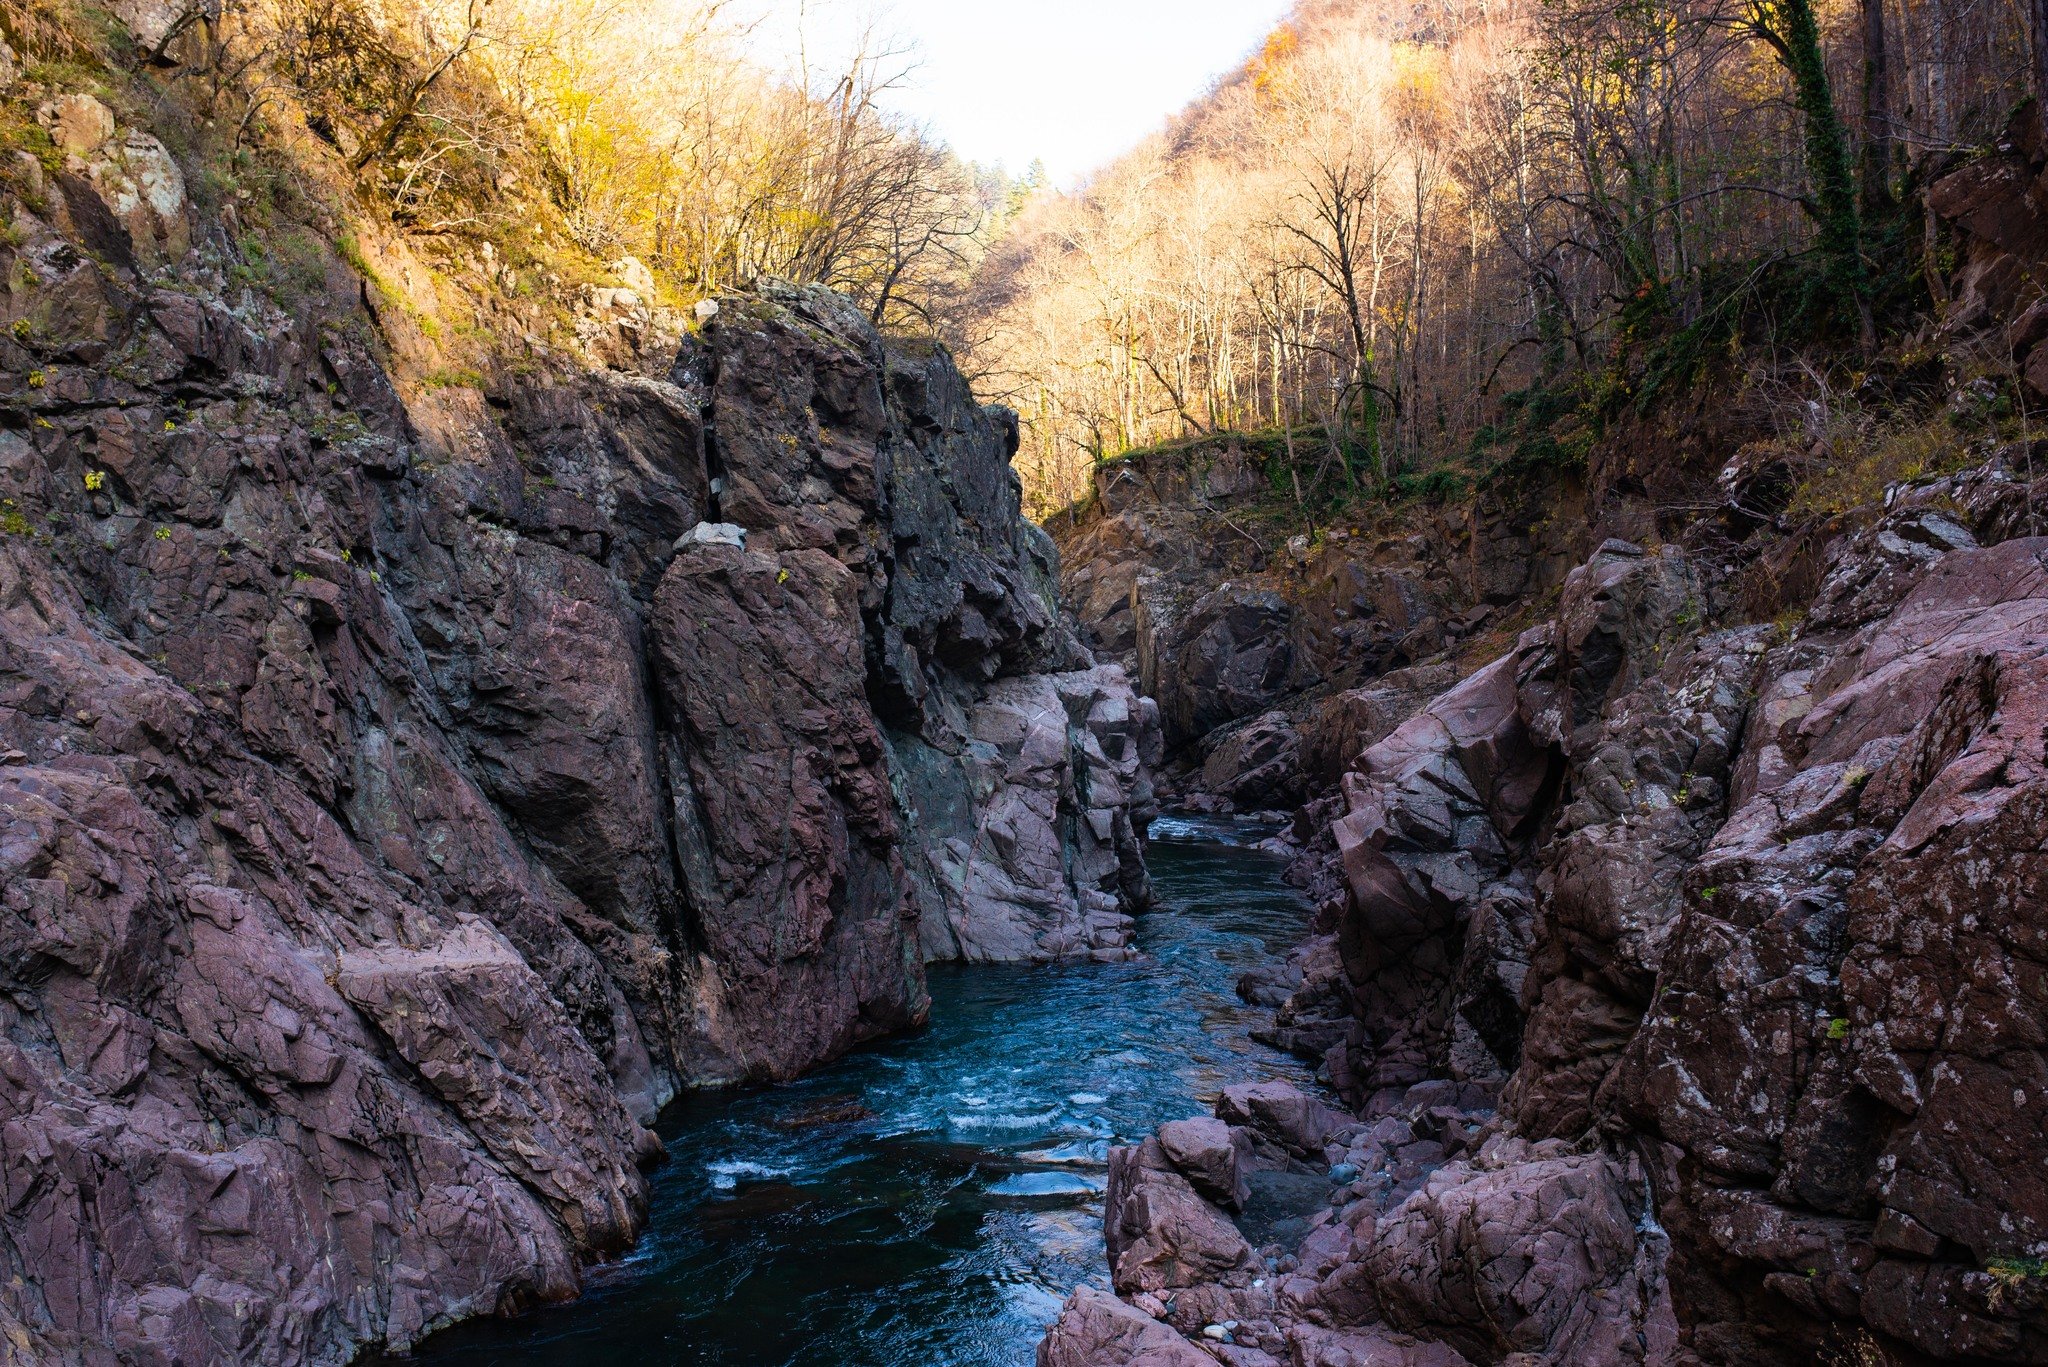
[(1419, 89), (1419, 72), (1269, 66), (95, 480)]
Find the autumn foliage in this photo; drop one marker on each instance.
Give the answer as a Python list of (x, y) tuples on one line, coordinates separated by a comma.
[(1420, 242)]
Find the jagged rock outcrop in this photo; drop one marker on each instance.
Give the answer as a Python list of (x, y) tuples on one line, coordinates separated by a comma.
[(1258, 644), (1033, 833), (783, 822), (1257, 766), (1684, 980), (406, 788), (1845, 1037)]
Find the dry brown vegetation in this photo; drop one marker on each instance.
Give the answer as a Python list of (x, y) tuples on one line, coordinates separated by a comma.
[(1424, 242), (556, 135), (1415, 245)]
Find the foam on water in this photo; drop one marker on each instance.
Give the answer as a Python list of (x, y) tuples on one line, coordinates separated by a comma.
[(730, 1173), (1085, 1153), (999, 1121), (946, 1218), (1045, 1184)]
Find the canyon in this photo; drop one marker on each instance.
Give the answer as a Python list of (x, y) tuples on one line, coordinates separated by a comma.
[(404, 797), (416, 778)]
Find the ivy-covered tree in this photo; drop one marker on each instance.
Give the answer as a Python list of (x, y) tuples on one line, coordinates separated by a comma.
[(1789, 29)]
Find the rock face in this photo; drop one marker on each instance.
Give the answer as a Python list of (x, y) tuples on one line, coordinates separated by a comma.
[(1230, 655), (1030, 837), (1684, 982), (1162, 1234), (783, 815), (405, 791), (1276, 659), (1258, 765)]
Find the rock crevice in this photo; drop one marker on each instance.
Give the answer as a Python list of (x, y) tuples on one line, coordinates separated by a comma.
[(406, 788)]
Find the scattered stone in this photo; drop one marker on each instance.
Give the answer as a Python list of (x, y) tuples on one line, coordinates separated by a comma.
[(712, 534)]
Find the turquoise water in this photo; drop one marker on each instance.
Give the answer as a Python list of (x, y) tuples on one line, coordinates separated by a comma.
[(930, 1201)]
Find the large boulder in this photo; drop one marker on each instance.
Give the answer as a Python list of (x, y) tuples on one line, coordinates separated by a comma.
[(1212, 1154), (1161, 1232), (1285, 1114), (783, 822), (1231, 654), (1338, 729), (1434, 810), (1095, 1329), (1527, 1252), (1257, 765), (124, 181)]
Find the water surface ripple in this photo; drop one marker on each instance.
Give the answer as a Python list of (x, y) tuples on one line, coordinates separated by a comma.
[(930, 1201)]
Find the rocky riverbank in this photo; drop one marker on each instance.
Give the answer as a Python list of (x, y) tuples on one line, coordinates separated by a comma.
[(408, 783), (1679, 970), (1679, 981)]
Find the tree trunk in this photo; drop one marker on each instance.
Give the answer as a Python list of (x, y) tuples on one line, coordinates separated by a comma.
[(1877, 107), (1792, 32), (2038, 24)]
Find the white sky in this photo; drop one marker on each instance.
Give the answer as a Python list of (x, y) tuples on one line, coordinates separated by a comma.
[(1073, 82)]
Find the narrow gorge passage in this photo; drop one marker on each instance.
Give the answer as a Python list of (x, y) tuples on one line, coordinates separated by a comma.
[(600, 602), (934, 1198)]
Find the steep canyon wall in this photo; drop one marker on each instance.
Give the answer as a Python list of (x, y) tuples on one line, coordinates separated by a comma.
[(1678, 981), (407, 784)]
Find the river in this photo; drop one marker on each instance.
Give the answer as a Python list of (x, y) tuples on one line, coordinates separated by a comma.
[(929, 1201)]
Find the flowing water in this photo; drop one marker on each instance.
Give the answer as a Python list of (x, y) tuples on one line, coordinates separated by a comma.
[(930, 1201)]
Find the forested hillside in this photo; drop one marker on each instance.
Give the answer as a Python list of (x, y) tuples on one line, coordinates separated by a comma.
[(1428, 241), (529, 145)]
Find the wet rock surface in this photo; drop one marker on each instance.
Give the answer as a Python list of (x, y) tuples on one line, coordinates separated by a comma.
[(406, 789)]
